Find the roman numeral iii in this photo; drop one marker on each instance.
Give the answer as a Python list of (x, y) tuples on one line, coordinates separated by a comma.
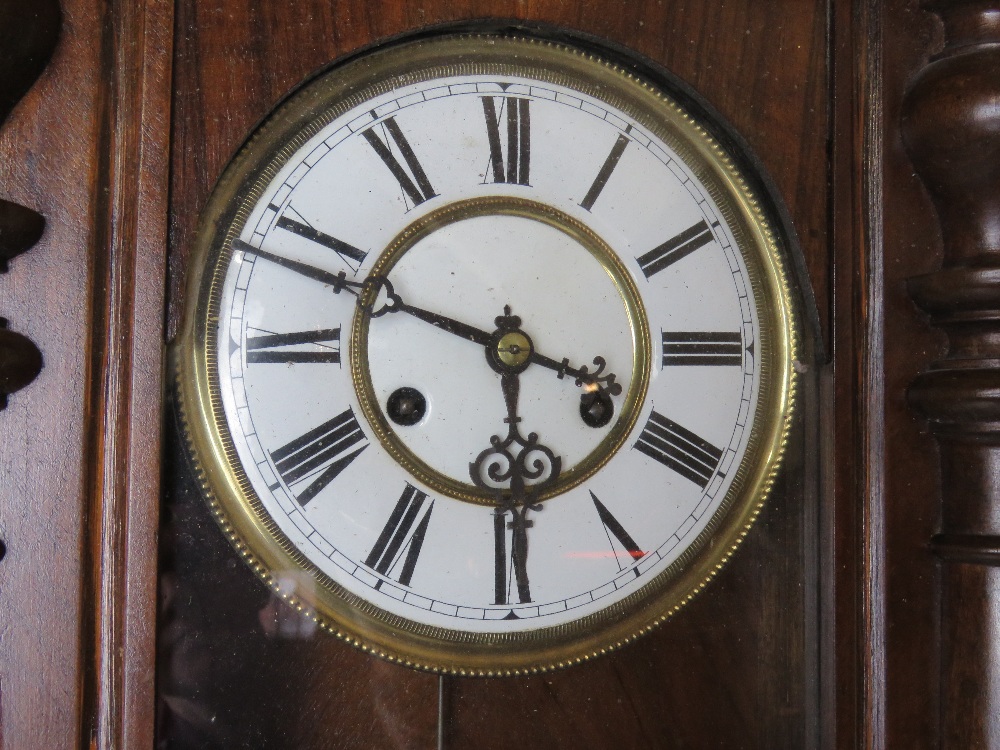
[(675, 249), (399, 534), (320, 455), (702, 348), (414, 183), (514, 170), (679, 449), (274, 347)]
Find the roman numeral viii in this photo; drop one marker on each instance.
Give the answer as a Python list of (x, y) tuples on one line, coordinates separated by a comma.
[(702, 348), (414, 183), (320, 455), (679, 449), (515, 170), (274, 347), (675, 248), (398, 535)]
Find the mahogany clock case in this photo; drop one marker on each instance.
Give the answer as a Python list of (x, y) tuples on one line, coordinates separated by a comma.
[(239, 667)]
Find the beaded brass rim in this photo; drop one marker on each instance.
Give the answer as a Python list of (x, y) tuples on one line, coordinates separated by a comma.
[(589, 243), (236, 505)]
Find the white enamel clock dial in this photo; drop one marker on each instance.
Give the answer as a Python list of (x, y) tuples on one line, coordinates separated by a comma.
[(489, 354)]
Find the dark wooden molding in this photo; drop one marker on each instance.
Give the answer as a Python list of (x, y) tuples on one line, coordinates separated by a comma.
[(28, 34), (951, 129)]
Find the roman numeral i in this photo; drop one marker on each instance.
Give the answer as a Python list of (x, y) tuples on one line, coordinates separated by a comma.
[(320, 455)]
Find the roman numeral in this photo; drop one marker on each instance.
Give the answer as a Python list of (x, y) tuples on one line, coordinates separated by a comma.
[(323, 450), (398, 535), (516, 561), (606, 169), (415, 183), (702, 348), (346, 251), (679, 449), (269, 348), (675, 248), (310, 272), (613, 528), (515, 170)]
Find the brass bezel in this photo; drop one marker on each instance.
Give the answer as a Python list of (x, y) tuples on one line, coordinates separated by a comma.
[(238, 509), (639, 377)]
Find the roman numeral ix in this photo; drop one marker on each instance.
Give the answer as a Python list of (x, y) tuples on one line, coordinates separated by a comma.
[(415, 183), (320, 455), (399, 534), (675, 248), (702, 348), (679, 449), (515, 170), (273, 347)]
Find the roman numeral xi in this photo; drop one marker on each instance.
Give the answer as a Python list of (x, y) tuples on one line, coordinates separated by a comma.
[(679, 449), (413, 182), (318, 457)]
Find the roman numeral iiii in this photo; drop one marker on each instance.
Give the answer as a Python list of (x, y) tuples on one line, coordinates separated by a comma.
[(679, 449)]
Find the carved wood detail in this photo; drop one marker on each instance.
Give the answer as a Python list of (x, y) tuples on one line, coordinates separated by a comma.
[(28, 34), (951, 128)]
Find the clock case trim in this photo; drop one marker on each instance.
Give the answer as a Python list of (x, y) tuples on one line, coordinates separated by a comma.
[(254, 535)]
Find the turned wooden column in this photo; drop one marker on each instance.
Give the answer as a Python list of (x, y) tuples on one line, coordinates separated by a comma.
[(951, 127)]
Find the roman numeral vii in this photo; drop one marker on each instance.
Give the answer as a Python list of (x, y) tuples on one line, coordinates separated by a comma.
[(399, 534)]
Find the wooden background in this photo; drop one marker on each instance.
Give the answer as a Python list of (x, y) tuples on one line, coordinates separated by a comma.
[(825, 630)]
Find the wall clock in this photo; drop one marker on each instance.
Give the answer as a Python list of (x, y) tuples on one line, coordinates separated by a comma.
[(487, 358)]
